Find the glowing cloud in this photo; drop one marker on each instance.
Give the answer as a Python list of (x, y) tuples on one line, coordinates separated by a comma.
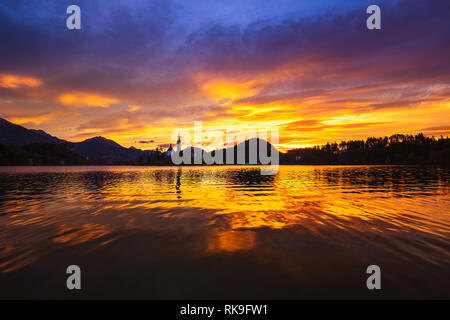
[(86, 100), (223, 88), (37, 120), (13, 81)]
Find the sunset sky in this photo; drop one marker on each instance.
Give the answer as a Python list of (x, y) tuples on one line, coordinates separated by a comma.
[(140, 69)]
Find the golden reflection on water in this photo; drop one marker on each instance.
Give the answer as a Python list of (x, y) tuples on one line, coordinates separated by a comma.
[(74, 205), (80, 234), (231, 241)]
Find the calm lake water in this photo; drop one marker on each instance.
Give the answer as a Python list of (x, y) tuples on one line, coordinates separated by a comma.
[(225, 232)]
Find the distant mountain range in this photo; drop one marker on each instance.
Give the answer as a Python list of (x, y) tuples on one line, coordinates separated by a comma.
[(15, 135), (97, 148), (21, 146)]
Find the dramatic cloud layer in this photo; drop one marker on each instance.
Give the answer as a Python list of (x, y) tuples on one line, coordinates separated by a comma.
[(138, 70)]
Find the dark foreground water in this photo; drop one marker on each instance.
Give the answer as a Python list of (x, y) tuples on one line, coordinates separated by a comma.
[(224, 232)]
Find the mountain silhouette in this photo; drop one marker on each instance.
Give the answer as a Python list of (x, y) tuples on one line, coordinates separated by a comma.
[(195, 152), (15, 135), (102, 150), (248, 158), (97, 148)]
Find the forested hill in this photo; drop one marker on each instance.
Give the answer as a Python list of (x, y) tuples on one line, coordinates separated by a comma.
[(396, 149)]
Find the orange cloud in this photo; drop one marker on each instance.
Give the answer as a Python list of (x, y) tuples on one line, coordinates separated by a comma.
[(37, 120), (86, 99), (13, 81), (221, 88), (134, 108)]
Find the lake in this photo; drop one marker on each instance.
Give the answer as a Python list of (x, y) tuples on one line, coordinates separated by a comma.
[(225, 232)]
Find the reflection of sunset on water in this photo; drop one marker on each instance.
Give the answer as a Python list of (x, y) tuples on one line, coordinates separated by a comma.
[(80, 234), (224, 211), (231, 241), (231, 198)]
